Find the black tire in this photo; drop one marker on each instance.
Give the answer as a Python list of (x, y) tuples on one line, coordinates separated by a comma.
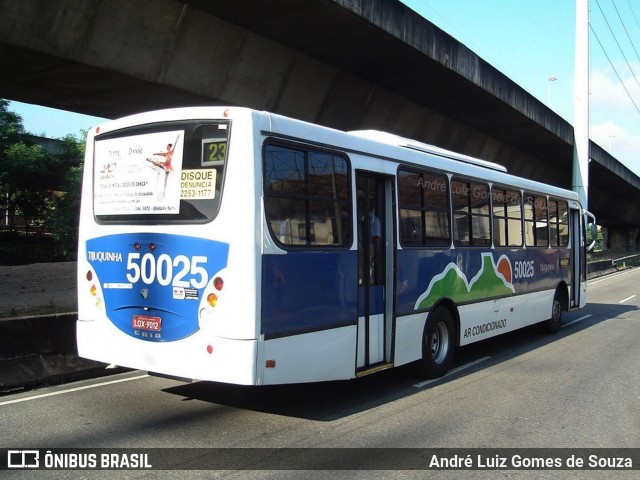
[(438, 344), (552, 325)]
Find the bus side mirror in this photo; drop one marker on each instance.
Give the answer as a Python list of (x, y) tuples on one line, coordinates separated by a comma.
[(590, 221)]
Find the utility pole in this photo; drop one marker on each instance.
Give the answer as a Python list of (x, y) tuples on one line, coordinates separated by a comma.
[(580, 176)]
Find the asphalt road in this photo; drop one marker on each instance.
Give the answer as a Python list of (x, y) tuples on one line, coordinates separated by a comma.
[(579, 388)]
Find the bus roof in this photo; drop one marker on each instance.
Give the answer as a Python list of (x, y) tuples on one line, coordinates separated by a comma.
[(399, 141)]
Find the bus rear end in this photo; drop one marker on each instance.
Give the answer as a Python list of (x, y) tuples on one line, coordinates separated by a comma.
[(167, 246)]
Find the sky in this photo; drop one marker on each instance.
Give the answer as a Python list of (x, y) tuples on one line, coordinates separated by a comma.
[(530, 41), (52, 123)]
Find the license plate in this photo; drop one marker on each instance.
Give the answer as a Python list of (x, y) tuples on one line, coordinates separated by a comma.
[(143, 322)]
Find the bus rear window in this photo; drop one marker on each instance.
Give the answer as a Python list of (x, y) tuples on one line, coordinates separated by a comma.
[(161, 173)]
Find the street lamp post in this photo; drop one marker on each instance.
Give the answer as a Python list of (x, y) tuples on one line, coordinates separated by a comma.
[(551, 79)]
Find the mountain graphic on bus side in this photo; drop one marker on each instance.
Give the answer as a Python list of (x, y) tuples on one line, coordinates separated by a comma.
[(492, 280)]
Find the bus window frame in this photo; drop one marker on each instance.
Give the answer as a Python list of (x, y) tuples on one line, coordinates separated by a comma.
[(306, 197), (506, 218), (470, 181), (556, 225), (525, 195), (414, 169)]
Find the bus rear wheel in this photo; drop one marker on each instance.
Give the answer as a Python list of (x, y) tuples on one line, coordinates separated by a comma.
[(438, 344)]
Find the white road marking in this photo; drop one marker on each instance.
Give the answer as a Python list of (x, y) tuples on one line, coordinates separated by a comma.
[(609, 277), (576, 321), (451, 372), (69, 390), (627, 299)]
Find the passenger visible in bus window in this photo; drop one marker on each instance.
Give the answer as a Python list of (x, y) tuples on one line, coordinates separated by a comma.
[(371, 227), (375, 245)]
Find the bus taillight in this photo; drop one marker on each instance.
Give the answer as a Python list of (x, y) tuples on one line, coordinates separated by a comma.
[(212, 299), (218, 283)]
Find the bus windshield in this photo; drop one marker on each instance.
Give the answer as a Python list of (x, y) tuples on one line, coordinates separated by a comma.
[(160, 173)]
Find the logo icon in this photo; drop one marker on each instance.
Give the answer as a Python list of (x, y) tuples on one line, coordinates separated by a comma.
[(493, 280), (23, 459)]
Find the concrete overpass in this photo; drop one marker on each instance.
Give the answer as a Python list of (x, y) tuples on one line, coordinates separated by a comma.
[(348, 64)]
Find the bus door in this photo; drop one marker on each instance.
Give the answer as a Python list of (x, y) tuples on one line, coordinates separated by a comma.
[(375, 272), (578, 257)]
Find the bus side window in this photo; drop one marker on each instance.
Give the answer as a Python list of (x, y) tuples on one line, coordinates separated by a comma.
[(471, 225), (307, 199), (507, 217), (536, 221), (424, 209), (559, 223)]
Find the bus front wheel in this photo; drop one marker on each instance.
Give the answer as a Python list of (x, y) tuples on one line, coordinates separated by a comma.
[(438, 344), (552, 325)]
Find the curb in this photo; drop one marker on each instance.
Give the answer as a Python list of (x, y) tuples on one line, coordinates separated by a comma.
[(41, 351)]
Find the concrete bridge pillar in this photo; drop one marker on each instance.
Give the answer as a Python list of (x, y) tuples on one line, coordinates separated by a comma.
[(632, 237), (617, 239), (605, 238)]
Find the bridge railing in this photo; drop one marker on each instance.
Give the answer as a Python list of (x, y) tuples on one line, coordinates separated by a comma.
[(602, 265)]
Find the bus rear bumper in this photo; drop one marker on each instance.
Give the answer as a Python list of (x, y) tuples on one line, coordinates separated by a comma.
[(200, 356)]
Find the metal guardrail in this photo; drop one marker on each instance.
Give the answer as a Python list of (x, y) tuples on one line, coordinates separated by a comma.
[(623, 260), (601, 265)]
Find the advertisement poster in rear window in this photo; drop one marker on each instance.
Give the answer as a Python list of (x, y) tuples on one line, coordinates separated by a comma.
[(138, 174)]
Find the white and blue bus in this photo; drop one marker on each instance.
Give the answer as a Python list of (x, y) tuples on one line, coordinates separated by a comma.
[(238, 246)]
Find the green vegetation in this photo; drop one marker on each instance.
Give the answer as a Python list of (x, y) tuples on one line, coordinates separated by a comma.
[(599, 245), (39, 194)]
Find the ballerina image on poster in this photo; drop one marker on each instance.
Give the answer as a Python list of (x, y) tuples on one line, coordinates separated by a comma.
[(162, 162)]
